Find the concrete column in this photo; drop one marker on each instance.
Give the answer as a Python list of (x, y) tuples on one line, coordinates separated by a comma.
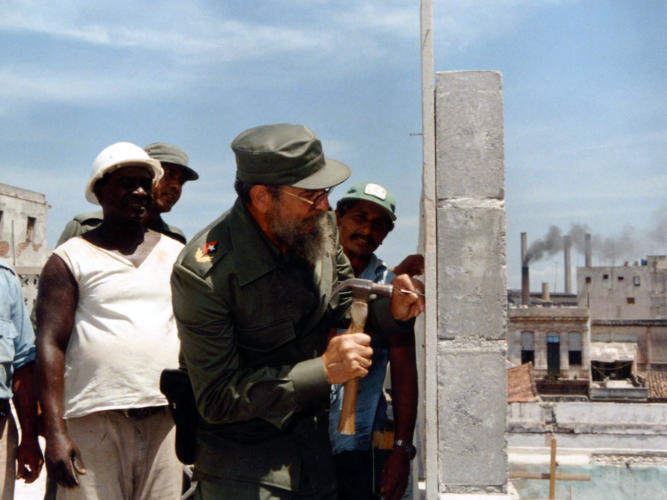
[(586, 346), (540, 350), (564, 351), (471, 272)]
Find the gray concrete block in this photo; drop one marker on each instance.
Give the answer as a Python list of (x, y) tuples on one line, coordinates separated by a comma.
[(469, 134), (471, 272), (471, 402)]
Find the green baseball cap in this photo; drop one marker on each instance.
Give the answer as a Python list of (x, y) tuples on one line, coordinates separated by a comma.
[(369, 191), (285, 154), (168, 153)]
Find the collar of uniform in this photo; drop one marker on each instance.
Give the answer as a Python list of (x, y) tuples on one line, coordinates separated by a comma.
[(377, 270), (172, 231), (86, 217), (254, 253)]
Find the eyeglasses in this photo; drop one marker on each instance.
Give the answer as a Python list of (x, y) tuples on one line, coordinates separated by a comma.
[(323, 193)]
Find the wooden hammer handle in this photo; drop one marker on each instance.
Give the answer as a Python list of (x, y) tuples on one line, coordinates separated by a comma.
[(358, 313)]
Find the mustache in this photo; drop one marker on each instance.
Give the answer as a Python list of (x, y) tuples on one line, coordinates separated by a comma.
[(368, 239)]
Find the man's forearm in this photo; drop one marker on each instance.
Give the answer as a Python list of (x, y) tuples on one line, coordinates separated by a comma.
[(51, 388), (404, 387), (25, 399)]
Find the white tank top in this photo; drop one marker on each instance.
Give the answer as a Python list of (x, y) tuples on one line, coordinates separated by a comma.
[(124, 331)]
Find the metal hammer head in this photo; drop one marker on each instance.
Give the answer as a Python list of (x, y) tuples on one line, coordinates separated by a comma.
[(361, 289)]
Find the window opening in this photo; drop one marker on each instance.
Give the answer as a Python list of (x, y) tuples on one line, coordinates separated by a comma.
[(574, 348), (30, 229), (527, 347)]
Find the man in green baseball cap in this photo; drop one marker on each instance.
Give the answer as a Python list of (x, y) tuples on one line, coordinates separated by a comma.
[(254, 304), (366, 214)]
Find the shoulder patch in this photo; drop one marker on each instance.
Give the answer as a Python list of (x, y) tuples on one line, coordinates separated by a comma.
[(206, 249), (205, 253)]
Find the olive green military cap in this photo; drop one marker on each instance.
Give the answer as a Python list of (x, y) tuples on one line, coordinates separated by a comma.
[(374, 193), (285, 154), (168, 153)]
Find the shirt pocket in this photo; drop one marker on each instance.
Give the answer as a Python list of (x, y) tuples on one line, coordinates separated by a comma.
[(8, 336), (266, 338)]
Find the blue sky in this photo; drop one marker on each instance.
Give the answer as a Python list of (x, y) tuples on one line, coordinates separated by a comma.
[(584, 86)]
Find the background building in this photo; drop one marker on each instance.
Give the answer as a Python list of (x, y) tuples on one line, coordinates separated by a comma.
[(637, 291), (23, 219)]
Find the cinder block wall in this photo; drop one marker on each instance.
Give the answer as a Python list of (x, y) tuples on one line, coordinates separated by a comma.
[(471, 277)]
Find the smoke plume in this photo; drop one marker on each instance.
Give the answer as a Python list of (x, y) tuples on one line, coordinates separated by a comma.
[(552, 242), (630, 243)]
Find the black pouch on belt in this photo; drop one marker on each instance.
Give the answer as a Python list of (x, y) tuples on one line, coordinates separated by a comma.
[(175, 385)]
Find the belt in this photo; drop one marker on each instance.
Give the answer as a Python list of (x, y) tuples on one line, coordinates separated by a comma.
[(5, 409), (140, 413)]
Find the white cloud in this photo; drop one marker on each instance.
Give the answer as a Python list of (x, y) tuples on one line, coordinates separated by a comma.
[(22, 84)]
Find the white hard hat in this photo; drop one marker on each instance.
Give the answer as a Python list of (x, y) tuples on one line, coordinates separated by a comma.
[(120, 154)]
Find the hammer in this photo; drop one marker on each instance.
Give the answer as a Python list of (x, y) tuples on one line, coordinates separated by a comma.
[(361, 289)]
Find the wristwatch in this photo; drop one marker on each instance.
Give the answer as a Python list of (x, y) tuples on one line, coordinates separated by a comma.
[(408, 447)]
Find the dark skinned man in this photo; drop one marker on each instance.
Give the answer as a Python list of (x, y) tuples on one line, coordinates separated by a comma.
[(253, 302), (166, 193), (106, 331), (365, 215)]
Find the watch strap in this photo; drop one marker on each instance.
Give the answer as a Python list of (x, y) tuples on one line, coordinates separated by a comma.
[(408, 447)]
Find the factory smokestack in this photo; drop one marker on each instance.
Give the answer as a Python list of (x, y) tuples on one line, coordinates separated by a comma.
[(567, 245), (525, 276), (546, 296), (588, 251)]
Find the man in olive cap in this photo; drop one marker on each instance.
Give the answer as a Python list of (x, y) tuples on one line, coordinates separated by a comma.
[(366, 214), (166, 193), (253, 302)]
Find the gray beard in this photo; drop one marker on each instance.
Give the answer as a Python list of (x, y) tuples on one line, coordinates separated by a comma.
[(310, 239)]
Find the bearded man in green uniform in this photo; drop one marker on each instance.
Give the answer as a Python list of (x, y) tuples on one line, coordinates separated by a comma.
[(253, 301)]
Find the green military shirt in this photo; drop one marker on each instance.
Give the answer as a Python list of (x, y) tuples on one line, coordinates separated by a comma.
[(90, 220), (252, 325)]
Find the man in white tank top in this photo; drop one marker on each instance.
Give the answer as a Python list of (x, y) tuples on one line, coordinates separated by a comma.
[(106, 331)]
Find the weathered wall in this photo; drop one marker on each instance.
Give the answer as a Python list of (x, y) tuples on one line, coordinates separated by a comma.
[(543, 321), (471, 277), (23, 244), (639, 426), (19, 246), (649, 335), (624, 292)]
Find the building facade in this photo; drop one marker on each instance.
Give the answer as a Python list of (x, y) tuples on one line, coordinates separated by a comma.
[(637, 291), (23, 222), (556, 340)]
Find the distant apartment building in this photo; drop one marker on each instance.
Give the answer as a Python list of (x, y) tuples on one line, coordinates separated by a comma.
[(637, 291), (23, 219)]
